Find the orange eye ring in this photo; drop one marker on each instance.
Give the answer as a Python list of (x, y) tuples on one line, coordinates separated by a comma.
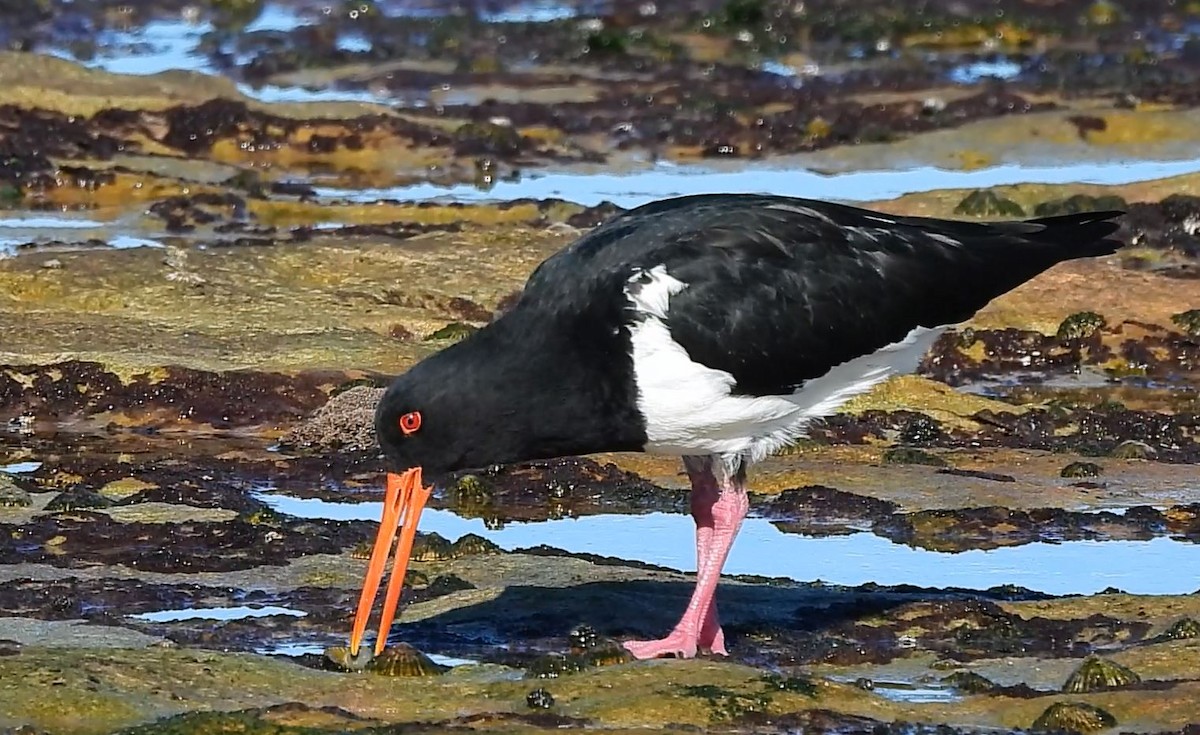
[(410, 422)]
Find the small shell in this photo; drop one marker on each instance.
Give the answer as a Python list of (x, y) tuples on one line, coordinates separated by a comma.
[(1081, 469), (970, 683), (1073, 717), (339, 658), (1181, 629), (472, 545), (404, 660), (12, 495), (1096, 674), (432, 547)]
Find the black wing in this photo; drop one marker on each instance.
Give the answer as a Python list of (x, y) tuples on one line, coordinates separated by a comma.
[(779, 290)]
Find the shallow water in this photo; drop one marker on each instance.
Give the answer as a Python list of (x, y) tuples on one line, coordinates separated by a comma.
[(240, 612), (664, 180), (1072, 567)]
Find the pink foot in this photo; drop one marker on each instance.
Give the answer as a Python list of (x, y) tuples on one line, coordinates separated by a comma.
[(678, 644), (718, 507), (682, 643)]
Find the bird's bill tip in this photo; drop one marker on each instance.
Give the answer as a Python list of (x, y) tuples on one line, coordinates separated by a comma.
[(404, 499)]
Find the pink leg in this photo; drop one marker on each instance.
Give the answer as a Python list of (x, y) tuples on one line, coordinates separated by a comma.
[(718, 507)]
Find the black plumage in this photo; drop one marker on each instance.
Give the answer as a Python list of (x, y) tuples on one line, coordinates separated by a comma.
[(778, 291)]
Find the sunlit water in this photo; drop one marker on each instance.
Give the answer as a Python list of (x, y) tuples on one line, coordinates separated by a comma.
[(237, 612), (1073, 567)]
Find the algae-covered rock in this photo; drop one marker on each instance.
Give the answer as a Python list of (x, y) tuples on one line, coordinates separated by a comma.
[(1080, 325), (1077, 717), (987, 203), (1096, 674)]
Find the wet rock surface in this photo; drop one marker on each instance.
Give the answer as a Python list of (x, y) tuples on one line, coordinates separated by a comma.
[(207, 278)]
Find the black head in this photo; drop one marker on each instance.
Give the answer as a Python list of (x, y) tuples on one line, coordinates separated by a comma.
[(508, 393), (426, 419)]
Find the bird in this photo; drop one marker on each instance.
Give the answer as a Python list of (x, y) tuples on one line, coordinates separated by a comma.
[(713, 327)]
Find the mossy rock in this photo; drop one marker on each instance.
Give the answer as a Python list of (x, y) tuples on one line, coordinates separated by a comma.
[(1077, 717), (455, 332), (909, 455), (1097, 674), (987, 203), (1081, 469), (1081, 325)]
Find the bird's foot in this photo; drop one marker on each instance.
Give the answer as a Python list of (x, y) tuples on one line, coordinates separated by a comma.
[(682, 643)]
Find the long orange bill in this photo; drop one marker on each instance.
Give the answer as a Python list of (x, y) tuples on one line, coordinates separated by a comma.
[(402, 505)]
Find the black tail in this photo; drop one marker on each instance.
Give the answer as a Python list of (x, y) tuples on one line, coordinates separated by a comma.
[(1081, 235)]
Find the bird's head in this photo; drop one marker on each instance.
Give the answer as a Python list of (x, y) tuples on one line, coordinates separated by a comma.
[(421, 424)]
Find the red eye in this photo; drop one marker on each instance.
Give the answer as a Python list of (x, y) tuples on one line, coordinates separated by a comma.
[(410, 422)]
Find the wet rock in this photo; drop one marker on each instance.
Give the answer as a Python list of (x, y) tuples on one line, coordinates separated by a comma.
[(346, 422), (86, 537), (539, 698), (909, 455), (1188, 321), (1096, 674), (825, 510), (1080, 325), (173, 394), (555, 665), (987, 203), (1079, 203), (9, 648), (13, 495), (1082, 469), (1075, 717)]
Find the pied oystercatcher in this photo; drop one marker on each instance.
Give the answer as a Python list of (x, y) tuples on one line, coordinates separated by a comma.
[(715, 327)]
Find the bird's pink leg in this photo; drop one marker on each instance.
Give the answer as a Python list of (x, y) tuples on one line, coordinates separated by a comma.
[(718, 507)]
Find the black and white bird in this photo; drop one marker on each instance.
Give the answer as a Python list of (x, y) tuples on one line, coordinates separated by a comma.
[(717, 328)]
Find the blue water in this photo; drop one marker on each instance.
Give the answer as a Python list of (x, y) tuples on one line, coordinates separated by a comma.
[(18, 468), (664, 180), (1073, 567)]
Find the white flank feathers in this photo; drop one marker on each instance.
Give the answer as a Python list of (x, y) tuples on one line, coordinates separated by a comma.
[(689, 408)]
